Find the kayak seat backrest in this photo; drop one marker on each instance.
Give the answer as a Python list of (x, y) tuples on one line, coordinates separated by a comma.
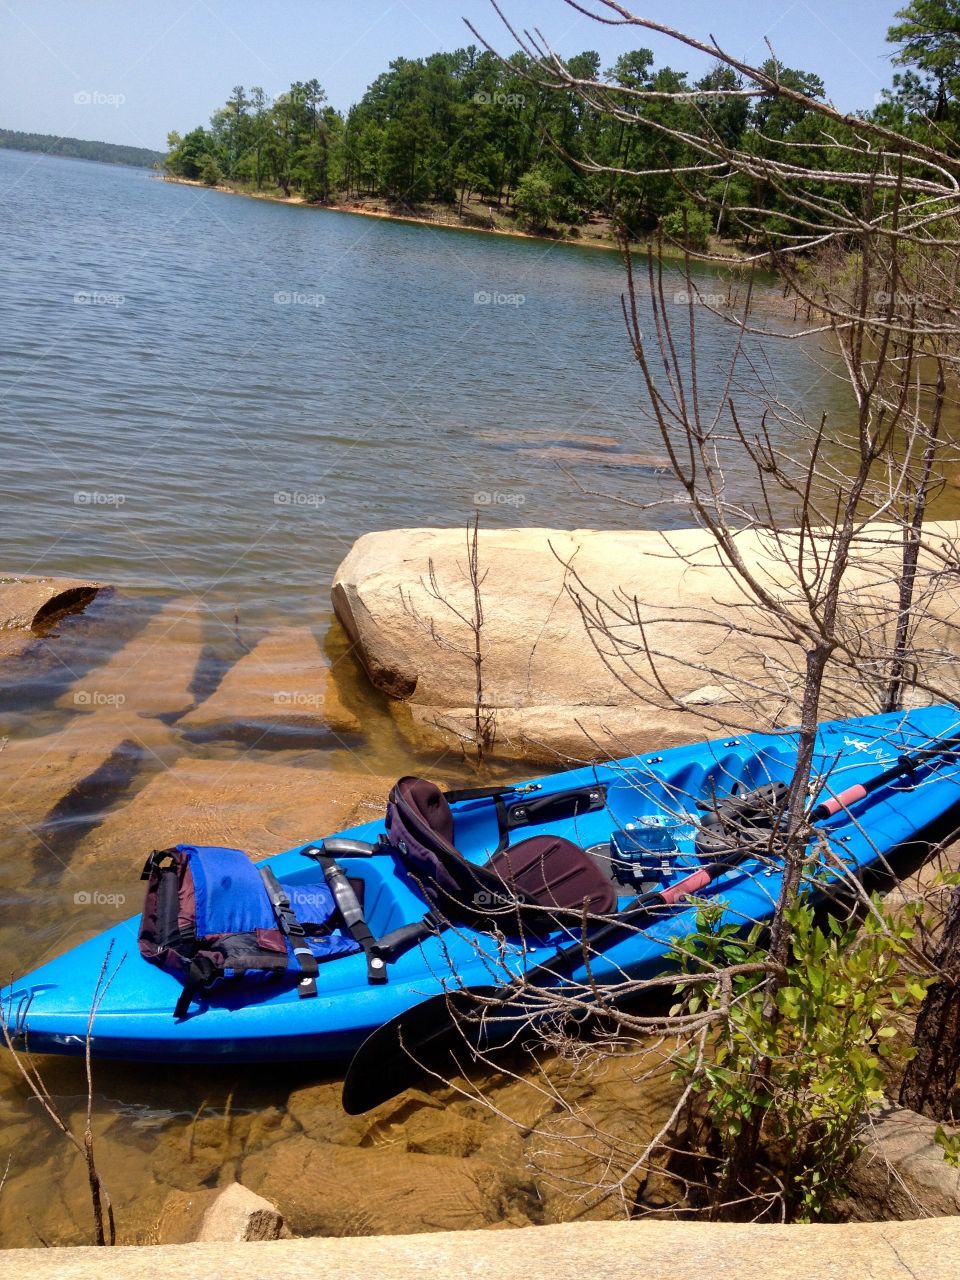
[(543, 875), (555, 873)]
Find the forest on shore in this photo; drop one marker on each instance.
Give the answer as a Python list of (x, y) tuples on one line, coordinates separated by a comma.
[(78, 149), (466, 128)]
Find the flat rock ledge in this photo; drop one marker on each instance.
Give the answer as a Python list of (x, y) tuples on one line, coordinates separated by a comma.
[(597, 643), (614, 1250)]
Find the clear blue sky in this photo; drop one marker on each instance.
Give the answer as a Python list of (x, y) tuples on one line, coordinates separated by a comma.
[(148, 66)]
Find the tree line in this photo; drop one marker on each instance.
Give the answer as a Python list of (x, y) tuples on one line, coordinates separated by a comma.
[(78, 149), (466, 128)]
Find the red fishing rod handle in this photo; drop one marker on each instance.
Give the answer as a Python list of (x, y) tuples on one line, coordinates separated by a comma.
[(683, 888), (827, 808)]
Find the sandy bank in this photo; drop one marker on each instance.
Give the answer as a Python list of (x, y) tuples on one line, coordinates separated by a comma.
[(444, 221)]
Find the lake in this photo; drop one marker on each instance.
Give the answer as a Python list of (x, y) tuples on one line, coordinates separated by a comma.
[(206, 399), (215, 394)]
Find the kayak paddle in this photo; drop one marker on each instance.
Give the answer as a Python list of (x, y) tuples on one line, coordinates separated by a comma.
[(420, 1039)]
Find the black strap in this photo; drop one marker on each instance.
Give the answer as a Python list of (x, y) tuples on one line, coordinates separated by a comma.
[(496, 794), (168, 930), (292, 930), (184, 1001), (200, 973), (348, 904)]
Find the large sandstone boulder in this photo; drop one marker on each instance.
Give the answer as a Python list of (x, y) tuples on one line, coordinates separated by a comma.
[(596, 643)]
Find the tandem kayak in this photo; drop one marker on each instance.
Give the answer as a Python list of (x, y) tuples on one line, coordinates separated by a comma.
[(882, 786)]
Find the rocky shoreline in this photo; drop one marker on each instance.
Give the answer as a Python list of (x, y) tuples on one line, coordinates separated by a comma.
[(143, 753)]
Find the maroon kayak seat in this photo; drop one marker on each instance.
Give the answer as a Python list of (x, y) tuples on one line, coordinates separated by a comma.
[(541, 880)]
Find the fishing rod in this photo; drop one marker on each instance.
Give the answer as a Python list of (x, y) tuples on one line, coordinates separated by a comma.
[(905, 765)]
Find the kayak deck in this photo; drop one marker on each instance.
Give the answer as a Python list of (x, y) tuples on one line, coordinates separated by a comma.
[(269, 1022)]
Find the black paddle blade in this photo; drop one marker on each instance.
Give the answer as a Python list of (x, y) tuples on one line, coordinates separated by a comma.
[(430, 1036)]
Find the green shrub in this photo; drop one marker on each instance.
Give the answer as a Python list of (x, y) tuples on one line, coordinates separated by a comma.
[(210, 172), (807, 1073), (688, 226), (534, 200)]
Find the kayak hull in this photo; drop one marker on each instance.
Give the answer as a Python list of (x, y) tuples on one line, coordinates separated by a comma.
[(49, 1010)]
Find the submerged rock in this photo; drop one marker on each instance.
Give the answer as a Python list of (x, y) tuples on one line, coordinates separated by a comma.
[(328, 1190), (261, 808), (150, 676), (281, 690), (50, 777)]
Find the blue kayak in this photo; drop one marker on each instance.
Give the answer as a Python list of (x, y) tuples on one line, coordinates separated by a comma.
[(649, 824)]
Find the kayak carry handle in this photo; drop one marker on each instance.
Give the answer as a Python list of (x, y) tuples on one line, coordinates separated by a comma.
[(348, 904), (342, 847)]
